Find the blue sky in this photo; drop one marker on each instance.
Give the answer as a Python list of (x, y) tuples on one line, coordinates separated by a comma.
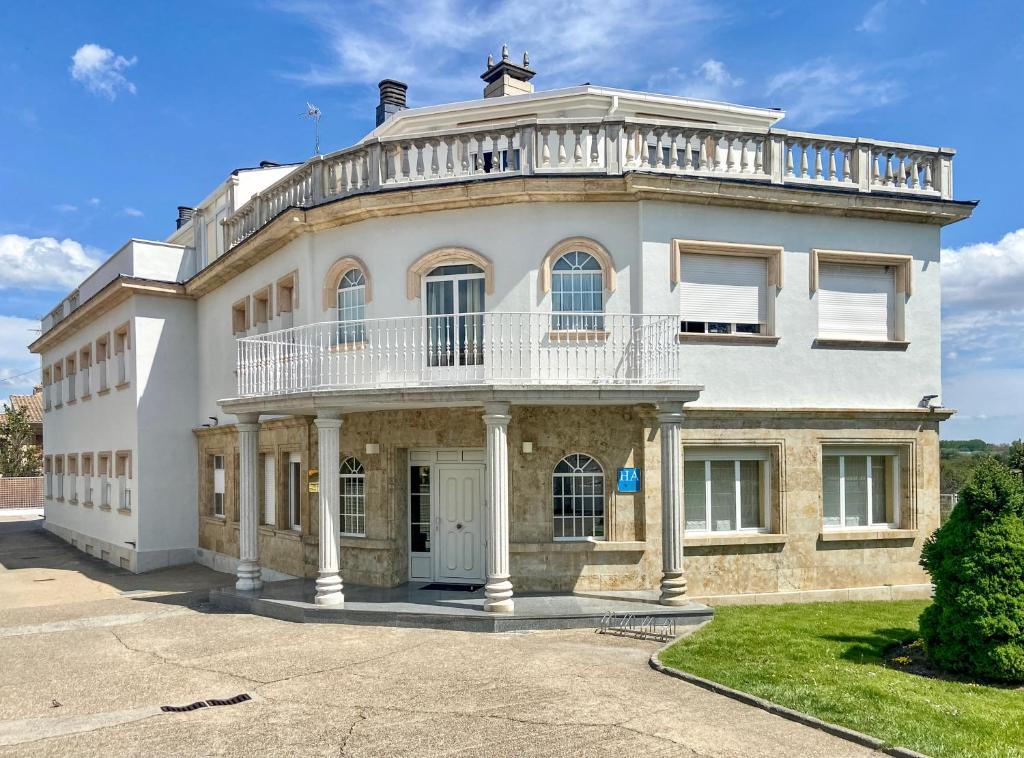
[(112, 117)]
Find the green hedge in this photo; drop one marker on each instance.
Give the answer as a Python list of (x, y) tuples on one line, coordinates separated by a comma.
[(976, 559)]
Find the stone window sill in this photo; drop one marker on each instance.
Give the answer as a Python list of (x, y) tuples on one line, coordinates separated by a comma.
[(104, 391), (366, 544), (727, 339), (125, 511), (860, 535), (273, 531), (578, 546), (72, 402), (87, 504), (85, 397), (122, 386), (104, 507), (844, 344), (206, 519), (734, 538)]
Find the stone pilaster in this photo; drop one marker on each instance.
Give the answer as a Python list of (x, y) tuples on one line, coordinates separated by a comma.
[(328, 583), (498, 588), (249, 575), (673, 582)]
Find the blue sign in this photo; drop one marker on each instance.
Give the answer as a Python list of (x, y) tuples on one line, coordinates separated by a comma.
[(629, 480)]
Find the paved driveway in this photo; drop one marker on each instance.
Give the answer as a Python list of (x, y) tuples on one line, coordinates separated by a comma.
[(84, 669)]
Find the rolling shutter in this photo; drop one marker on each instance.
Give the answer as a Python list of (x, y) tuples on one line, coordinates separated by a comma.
[(723, 288), (855, 302)]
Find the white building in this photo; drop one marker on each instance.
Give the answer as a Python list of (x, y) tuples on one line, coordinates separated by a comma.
[(295, 378)]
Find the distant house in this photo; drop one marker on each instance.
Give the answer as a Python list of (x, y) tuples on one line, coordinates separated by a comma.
[(33, 405)]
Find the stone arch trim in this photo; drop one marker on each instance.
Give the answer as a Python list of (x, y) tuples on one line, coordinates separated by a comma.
[(337, 270), (581, 244), (444, 256)]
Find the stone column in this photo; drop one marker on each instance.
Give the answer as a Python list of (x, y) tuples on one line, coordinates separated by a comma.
[(498, 588), (673, 582), (328, 583), (249, 576)]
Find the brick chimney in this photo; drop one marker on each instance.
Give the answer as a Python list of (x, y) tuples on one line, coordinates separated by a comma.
[(507, 78), (392, 99)]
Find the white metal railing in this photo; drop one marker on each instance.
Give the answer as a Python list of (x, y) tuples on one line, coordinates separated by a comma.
[(464, 349), (610, 146)]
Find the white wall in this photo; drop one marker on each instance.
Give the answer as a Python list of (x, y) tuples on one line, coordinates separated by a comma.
[(166, 390), (794, 373), (104, 423)]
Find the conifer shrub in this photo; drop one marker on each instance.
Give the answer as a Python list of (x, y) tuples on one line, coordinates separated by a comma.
[(975, 626)]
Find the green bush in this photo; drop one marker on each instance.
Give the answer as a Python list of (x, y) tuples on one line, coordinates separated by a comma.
[(975, 625)]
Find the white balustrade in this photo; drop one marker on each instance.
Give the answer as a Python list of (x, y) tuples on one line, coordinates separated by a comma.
[(464, 349), (602, 146)]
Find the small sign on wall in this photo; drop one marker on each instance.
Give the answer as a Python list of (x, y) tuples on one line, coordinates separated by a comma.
[(629, 480)]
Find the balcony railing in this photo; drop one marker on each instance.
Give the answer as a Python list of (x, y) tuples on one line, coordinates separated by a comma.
[(602, 146), (463, 349)]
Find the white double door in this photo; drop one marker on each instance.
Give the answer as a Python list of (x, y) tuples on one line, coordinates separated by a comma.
[(458, 523)]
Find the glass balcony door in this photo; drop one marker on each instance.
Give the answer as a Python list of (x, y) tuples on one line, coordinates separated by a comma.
[(453, 297)]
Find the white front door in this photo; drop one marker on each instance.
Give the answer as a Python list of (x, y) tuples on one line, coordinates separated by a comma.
[(459, 554)]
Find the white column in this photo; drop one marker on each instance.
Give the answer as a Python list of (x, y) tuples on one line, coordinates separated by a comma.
[(498, 588), (673, 583), (249, 576), (328, 583)]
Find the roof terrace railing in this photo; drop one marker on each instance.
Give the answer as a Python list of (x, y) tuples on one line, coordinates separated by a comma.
[(610, 147)]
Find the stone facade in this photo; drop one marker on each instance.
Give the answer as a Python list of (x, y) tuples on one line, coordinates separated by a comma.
[(796, 558)]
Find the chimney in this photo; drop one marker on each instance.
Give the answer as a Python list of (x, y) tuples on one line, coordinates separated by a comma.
[(392, 99), (507, 78), (184, 215)]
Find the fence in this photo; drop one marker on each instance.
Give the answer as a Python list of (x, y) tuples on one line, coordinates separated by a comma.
[(21, 492)]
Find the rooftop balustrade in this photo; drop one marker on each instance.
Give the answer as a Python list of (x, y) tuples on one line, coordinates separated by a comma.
[(462, 350), (602, 147)]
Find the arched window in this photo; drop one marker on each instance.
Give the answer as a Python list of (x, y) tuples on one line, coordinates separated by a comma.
[(352, 491), (351, 306), (577, 291), (578, 498)]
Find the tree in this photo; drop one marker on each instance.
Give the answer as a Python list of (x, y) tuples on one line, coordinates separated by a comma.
[(19, 455), (975, 625), (1015, 456)]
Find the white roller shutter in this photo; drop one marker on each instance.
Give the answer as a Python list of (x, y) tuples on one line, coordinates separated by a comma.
[(269, 490), (856, 302), (723, 288)]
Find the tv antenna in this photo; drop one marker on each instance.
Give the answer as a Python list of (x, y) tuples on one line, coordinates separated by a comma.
[(314, 113)]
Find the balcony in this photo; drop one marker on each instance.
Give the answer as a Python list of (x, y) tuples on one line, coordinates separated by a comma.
[(464, 350), (609, 147)]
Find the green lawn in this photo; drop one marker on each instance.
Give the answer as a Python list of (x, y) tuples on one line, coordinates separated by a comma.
[(825, 659)]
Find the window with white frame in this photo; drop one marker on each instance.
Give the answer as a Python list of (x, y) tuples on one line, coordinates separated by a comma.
[(856, 302), (351, 306), (58, 473), (123, 471), (72, 464), (577, 293), (578, 498), (295, 491), (725, 490), (70, 372), (352, 492), (218, 485), (723, 294), (48, 476), (860, 487)]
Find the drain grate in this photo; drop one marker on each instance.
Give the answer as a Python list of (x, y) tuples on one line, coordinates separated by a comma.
[(205, 704)]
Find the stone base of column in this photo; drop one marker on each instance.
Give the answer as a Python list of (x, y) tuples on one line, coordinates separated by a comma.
[(498, 591), (329, 590), (250, 578), (673, 588)]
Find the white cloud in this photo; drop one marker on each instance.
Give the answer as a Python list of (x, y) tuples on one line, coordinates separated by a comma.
[(874, 19), (100, 70), (709, 81), (44, 263), (66, 208), (15, 359), (133, 212), (822, 90), (94, 201), (986, 275), (570, 41)]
